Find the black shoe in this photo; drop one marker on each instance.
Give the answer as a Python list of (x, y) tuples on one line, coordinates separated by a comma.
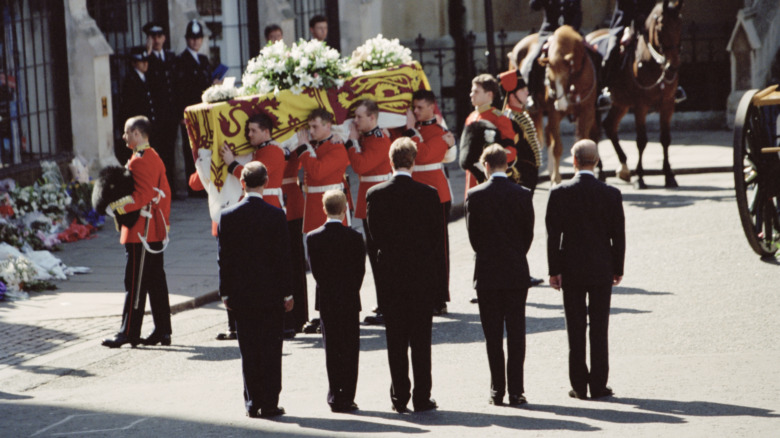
[(575, 394), (606, 392), (229, 336), (341, 408), (536, 281), (254, 414), (376, 310), (496, 400), (288, 334), (440, 310), (400, 408), (271, 412), (377, 319), (312, 327), (517, 400), (120, 340), (428, 405), (156, 338), (474, 300)]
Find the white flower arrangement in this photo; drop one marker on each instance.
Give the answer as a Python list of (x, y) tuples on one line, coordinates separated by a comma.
[(220, 93), (306, 64), (16, 271), (379, 53)]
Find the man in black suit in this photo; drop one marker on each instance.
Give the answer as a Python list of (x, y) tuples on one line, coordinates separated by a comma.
[(405, 222), (586, 245), (255, 283), (193, 76), (161, 79), (338, 262), (500, 222)]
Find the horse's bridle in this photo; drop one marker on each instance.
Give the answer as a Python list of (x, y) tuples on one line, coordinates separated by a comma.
[(660, 58), (575, 99)]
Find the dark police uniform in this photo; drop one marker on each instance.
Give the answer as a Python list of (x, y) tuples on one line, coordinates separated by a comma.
[(192, 78)]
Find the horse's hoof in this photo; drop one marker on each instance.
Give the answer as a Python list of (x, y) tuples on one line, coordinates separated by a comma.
[(671, 183), (640, 184), (624, 173)]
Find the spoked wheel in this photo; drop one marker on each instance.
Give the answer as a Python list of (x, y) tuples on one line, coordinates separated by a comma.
[(756, 175)]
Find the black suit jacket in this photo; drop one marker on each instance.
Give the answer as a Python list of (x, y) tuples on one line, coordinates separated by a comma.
[(500, 222), (192, 79), (254, 257), (586, 238), (137, 97), (406, 223), (337, 258), (161, 76)]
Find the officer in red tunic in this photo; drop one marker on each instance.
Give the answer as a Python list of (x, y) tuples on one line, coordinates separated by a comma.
[(296, 318), (268, 152), (152, 196), (324, 164), (433, 141), (484, 88), (368, 149)]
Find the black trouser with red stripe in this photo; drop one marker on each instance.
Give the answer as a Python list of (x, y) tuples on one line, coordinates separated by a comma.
[(153, 282)]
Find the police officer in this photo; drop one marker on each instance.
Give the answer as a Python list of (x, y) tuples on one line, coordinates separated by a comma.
[(556, 14), (161, 78), (193, 76), (137, 99)]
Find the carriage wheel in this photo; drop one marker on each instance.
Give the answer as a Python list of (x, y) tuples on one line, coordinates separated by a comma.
[(756, 201)]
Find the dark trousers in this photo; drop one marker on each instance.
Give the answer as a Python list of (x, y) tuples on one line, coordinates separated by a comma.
[(371, 252), (409, 327), (341, 338), (164, 143), (260, 343), (186, 149), (577, 315), (499, 308), (153, 283), (297, 317), (445, 293)]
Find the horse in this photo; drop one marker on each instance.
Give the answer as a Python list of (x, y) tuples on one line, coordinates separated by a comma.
[(648, 81), (571, 90)]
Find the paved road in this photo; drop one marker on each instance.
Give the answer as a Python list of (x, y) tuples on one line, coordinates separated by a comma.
[(693, 349)]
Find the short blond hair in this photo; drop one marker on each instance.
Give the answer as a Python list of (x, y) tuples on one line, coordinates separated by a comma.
[(335, 202), (403, 152)]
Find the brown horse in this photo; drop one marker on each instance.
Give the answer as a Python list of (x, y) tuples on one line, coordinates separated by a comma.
[(571, 90), (647, 83)]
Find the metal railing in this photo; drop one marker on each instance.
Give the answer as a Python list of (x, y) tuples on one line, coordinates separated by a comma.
[(34, 116)]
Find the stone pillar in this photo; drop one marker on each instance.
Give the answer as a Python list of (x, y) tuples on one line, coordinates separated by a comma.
[(361, 20), (90, 88)]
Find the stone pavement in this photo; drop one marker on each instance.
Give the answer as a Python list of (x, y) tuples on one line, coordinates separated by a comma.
[(87, 307)]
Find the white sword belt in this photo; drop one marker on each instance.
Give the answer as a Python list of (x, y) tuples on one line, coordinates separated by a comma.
[(376, 178), (323, 189), (275, 192), (427, 167), (291, 180)]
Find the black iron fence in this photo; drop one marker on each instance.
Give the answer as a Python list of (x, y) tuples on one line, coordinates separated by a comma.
[(34, 112)]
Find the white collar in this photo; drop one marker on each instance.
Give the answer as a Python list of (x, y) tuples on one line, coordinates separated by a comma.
[(141, 75), (498, 175), (336, 221), (160, 54), (586, 172), (401, 172), (194, 55), (254, 195)]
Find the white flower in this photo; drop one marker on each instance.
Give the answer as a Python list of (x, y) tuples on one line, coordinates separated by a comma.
[(380, 53)]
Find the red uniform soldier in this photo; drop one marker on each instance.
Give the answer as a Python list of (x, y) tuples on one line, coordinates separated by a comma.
[(484, 88), (368, 149), (152, 196), (323, 162)]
